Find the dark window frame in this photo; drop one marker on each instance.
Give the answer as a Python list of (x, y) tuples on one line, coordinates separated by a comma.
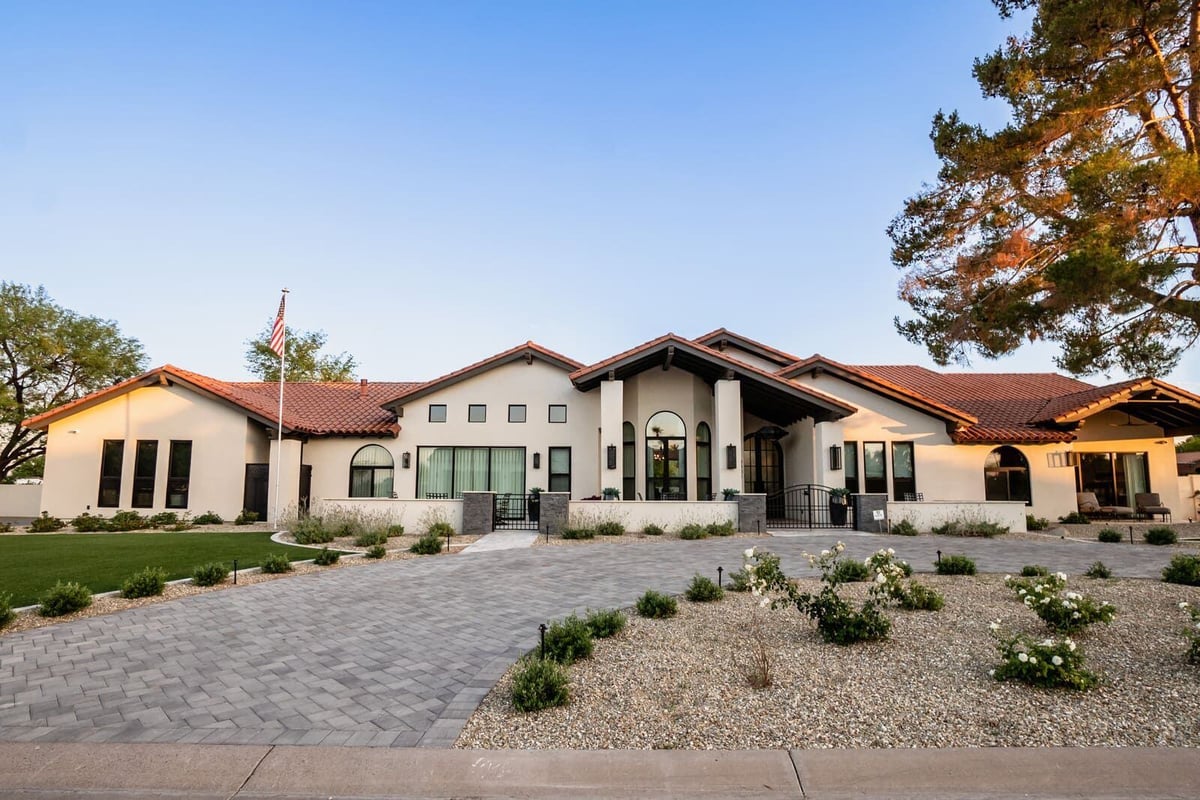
[(1008, 471), (371, 468), (551, 474), (143, 478), (901, 487), (850, 462), (550, 413), (109, 482), (524, 413), (471, 411), (454, 448), (178, 484), (875, 485), (628, 460), (442, 406), (704, 483)]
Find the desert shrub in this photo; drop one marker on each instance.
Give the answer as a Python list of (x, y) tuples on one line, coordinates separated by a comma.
[(568, 641), (210, 574), (311, 530), (653, 530), (184, 523), (87, 523), (919, 597), (1098, 570), (1074, 518), (395, 530), (838, 622), (440, 529), (275, 564), (739, 581), (148, 582), (377, 551), (538, 684), (1192, 632), (6, 527), (163, 519), (1034, 570), (370, 538), (1064, 610), (247, 517), (578, 533), (7, 614), (904, 528), (693, 530), (725, 528), (209, 518), (1110, 535), (656, 606), (1183, 569), (610, 527), (326, 557), (46, 524), (64, 598), (955, 565), (428, 545), (1035, 523), (971, 527), (850, 571), (703, 590), (1161, 535), (604, 624), (127, 521), (1048, 664)]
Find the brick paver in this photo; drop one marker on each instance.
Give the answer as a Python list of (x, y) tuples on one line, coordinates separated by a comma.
[(394, 654)]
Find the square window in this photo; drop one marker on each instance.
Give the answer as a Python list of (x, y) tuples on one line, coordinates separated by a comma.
[(516, 413), (476, 413), (437, 413), (558, 413)]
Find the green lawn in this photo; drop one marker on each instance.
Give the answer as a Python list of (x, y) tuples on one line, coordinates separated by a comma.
[(31, 564)]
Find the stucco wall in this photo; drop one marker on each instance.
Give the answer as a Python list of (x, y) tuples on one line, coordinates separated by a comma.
[(1189, 497), (20, 501), (414, 515), (924, 516), (671, 515)]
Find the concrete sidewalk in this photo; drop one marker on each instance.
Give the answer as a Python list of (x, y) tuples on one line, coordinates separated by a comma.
[(31, 770)]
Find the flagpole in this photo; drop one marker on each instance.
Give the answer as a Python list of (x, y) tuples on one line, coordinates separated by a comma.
[(279, 449)]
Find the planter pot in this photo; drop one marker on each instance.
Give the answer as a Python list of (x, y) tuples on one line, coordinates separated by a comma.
[(837, 513), (535, 509)]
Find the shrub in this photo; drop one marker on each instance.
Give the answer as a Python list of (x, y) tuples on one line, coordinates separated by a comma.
[(725, 528), (275, 564), (6, 610), (538, 684), (578, 533), (127, 521), (1110, 535), (441, 529), (210, 574), (372, 538), (568, 641), (919, 597), (6, 527), (428, 545), (1060, 609), (247, 517), (163, 519), (376, 551), (955, 565), (851, 572), (46, 524), (604, 624), (693, 530), (1192, 632), (184, 523), (1049, 664), (395, 530), (1161, 535), (971, 527), (703, 590), (1183, 569), (739, 581), (1098, 570), (838, 622), (653, 530), (87, 523), (311, 530), (209, 518), (1074, 518), (1034, 523), (904, 528), (656, 606), (1034, 570), (610, 527), (149, 582), (64, 598), (326, 557)]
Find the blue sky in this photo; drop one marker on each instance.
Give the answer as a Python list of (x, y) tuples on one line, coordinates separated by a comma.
[(439, 181)]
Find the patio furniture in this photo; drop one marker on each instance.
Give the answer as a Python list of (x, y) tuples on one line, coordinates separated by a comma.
[(1090, 506), (1149, 505)]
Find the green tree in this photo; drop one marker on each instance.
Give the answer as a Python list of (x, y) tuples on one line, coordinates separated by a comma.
[(1078, 221), (50, 355), (1188, 445), (304, 359)]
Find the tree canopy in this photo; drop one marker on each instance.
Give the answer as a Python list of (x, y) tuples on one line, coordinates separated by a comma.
[(1077, 222), (304, 359), (50, 355)]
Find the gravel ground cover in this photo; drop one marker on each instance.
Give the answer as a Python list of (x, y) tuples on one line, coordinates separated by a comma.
[(678, 683)]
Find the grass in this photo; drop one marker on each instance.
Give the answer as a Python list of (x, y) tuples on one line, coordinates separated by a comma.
[(29, 565)]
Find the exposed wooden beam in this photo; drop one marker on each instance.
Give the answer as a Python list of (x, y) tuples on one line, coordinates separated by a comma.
[(670, 357)]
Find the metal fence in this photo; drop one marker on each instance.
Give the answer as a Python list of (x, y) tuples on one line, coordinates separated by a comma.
[(808, 505), (515, 512)]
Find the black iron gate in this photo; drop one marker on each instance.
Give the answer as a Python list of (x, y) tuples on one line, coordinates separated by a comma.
[(809, 505), (515, 512)]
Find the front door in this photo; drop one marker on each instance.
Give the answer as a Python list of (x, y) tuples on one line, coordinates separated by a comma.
[(254, 498)]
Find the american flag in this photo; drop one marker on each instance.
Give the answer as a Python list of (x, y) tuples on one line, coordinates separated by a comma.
[(276, 344)]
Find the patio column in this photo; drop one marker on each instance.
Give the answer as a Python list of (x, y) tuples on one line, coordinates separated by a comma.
[(727, 431), (612, 415), (288, 471), (826, 435)]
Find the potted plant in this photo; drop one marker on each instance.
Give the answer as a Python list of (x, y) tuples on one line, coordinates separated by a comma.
[(611, 494), (535, 504), (838, 506), (730, 494)]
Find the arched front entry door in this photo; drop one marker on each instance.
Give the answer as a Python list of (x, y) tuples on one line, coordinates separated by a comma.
[(666, 457), (762, 461)]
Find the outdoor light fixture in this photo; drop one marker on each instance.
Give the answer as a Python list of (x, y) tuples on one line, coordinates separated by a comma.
[(730, 456), (405, 460), (612, 456), (835, 457), (537, 460)]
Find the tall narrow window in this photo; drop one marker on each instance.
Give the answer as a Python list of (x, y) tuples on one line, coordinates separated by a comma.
[(508, 470), (850, 452), (666, 457), (703, 462), (179, 474), (904, 476), (874, 468), (371, 472), (145, 464), (628, 461), (435, 473), (112, 458), (1006, 475), (560, 469)]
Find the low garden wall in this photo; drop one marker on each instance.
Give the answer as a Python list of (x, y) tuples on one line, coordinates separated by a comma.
[(20, 501), (671, 515), (926, 515), (412, 514)]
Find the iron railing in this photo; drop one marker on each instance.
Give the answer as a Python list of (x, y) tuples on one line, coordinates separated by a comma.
[(515, 512), (808, 505)]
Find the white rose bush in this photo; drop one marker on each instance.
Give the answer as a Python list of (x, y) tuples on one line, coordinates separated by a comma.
[(1193, 633), (1048, 663), (1063, 610)]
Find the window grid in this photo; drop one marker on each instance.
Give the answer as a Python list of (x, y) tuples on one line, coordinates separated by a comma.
[(558, 413)]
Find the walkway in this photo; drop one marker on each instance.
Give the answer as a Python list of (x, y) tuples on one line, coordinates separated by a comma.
[(390, 654)]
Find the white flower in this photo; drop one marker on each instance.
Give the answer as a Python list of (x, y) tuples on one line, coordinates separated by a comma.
[(839, 547), (766, 601), (824, 553), (1047, 643), (1062, 576), (995, 626), (1184, 604), (1033, 659), (748, 553), (1022, 657), (880, 579), (992, 673), (1070, 645), (1056, 661), (1022, 592), (891, 552), (1074, 615), (1007, 578)]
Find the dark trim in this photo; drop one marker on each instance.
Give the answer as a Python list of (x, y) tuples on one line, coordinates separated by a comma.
[(550, 473), (875, 488), (471, 410), (550, 413), (108, 482), (178, 484), (524, 413), (445, 412)]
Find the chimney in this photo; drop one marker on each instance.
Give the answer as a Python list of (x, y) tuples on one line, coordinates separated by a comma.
[(362, 388)]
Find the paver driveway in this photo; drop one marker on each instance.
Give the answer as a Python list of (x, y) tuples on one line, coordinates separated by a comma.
[(392, 654)]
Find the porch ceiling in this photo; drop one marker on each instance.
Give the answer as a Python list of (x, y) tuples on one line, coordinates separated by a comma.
[(1175, 417)]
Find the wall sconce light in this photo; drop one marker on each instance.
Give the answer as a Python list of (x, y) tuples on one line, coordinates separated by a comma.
[(612, 456), (835, 457), (405, 460), (730, 456), (537, 460)]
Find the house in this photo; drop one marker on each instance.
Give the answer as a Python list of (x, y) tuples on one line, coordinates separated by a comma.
[(673, 419)]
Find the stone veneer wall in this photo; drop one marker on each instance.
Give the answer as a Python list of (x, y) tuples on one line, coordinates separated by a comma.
[(865, 506), (752, 513), (477, 513), (555, 513)]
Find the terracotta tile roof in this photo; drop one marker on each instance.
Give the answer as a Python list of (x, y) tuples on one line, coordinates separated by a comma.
[(1072, 406), (712, 337)]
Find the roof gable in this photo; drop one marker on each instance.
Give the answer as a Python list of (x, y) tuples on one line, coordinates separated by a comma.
[(721, 338)]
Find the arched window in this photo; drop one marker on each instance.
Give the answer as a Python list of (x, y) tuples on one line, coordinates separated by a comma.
[(666, 457), (371, 472), (703, 462), (628, 461), (1006, 475)]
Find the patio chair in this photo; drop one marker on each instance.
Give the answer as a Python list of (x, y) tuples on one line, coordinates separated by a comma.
[(1090, 506), (1149, 505)]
